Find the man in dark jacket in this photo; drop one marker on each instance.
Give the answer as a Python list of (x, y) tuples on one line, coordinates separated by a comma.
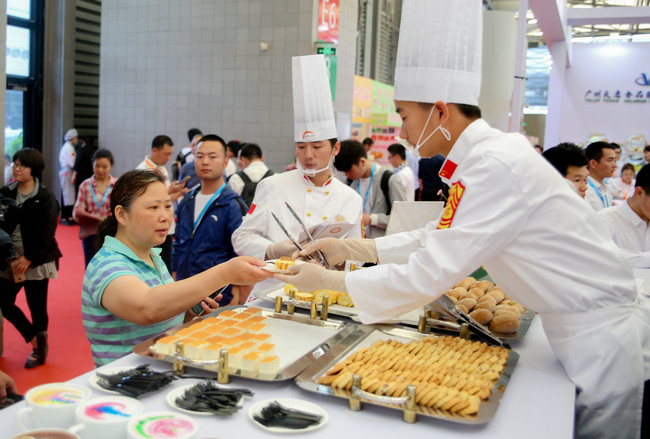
[(207, 216)]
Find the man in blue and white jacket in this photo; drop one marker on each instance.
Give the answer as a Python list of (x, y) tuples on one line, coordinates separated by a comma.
[(207, 217)]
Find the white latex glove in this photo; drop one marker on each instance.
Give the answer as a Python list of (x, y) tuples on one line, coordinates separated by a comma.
[(340, 250), (312, 277), (279, 249)]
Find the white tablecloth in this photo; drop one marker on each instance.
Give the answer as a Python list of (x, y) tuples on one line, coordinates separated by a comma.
[(538, 403)]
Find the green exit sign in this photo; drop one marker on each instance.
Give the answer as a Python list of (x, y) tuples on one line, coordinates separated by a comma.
[(326, 50)]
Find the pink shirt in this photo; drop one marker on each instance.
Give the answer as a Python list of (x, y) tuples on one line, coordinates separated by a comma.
[(93, 202)]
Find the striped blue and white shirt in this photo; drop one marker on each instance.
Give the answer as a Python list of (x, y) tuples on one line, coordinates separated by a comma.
[(110, 336)]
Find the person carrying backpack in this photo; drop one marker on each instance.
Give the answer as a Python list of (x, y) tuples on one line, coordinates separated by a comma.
[(377, 186), (253, 170)]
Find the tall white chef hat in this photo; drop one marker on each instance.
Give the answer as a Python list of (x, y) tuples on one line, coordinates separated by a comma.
[(313, 113), (439, 51), (71, 134)]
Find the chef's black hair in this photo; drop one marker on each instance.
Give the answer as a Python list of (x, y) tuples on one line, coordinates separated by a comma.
[(594, 151), (564, 155), (643, 179), (351, 153), (469, 111)]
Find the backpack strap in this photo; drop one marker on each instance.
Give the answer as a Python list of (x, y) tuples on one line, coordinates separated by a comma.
[(268, 173), (385, 177), (244, 177), (242, 206)]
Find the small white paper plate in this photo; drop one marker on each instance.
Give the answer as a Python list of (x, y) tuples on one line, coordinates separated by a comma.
[(94, 379), (270, 267), (290, 403), (177, 392)]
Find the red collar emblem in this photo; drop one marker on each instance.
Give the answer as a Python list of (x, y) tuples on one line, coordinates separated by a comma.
[(448, 169)]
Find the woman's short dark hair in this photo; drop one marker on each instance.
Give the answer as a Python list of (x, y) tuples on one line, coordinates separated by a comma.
[(103, 153), (628, 167), (31, 158), (127, 188)]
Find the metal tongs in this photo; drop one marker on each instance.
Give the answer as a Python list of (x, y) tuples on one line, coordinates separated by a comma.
[(321, 257), (445, 306)]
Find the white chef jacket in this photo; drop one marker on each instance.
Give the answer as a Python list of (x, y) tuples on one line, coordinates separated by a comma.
[(630, 233), (66, 163), (547, 249), (147, 163), (598, 194), (255, 171), (332, 202)]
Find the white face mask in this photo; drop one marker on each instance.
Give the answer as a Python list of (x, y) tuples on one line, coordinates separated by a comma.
[(312, 172), (416, 149)]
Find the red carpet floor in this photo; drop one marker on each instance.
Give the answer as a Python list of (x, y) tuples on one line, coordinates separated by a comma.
[(69, 353)]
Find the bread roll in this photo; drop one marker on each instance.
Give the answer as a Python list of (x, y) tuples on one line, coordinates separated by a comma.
[(476, 292), (504, 323), (452, 298), (483, 284), (486, 304), (513, 309), (487, 298), (467, 295), (497, 294), (466, 283), (500, 311), (463, 308), (453, 293), (483, 316), (468, 302)]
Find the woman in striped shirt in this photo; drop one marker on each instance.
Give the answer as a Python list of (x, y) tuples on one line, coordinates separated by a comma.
[(128, 295)]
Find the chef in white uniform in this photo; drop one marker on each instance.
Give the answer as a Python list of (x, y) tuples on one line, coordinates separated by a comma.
[(66, 163), (311, 189), (509, 211)]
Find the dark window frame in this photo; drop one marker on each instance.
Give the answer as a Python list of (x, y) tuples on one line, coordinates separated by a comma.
[(32, 85)]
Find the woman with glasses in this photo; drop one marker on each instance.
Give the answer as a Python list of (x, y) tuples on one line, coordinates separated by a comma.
[(37, 249)]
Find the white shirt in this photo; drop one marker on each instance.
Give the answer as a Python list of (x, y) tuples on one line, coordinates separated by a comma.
[(598, 194), (331, 203), (408, 180), (66, 157), (231, 168), (630, 232), (517, 217), (255, 171), (619, 189), (414, 164), (147, 163)]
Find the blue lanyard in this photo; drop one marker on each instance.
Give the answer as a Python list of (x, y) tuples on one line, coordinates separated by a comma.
[(92, 191), (207, 205), (603, 200), (365, 199)]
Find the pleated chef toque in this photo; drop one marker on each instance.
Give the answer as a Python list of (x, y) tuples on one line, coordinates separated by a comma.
[(313, 113), (439, 51)]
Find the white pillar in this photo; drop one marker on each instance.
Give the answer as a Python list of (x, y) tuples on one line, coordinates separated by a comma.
[(516, 106), (556, 91), (498, 67)]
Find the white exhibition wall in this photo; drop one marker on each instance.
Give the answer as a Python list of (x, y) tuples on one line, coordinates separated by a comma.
[(606, 91)]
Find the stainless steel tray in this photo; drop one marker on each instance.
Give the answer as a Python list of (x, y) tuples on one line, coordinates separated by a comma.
[(308, 378), (410, 318), (314, 345)]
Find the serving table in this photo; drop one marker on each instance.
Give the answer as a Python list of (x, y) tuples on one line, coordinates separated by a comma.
[(538, 403)]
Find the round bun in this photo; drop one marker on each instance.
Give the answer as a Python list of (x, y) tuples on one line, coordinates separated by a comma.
[(497, 294), (468, 302), (486, 304), (453, 293), (463, 308), (483, 284), (476, 292), (487, 298), (504, 323), (483, 316), (512, 309), (466, 283)]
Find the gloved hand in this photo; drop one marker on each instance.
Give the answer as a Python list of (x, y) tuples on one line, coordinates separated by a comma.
[(340, 250), (279, 249), (312, 277)]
